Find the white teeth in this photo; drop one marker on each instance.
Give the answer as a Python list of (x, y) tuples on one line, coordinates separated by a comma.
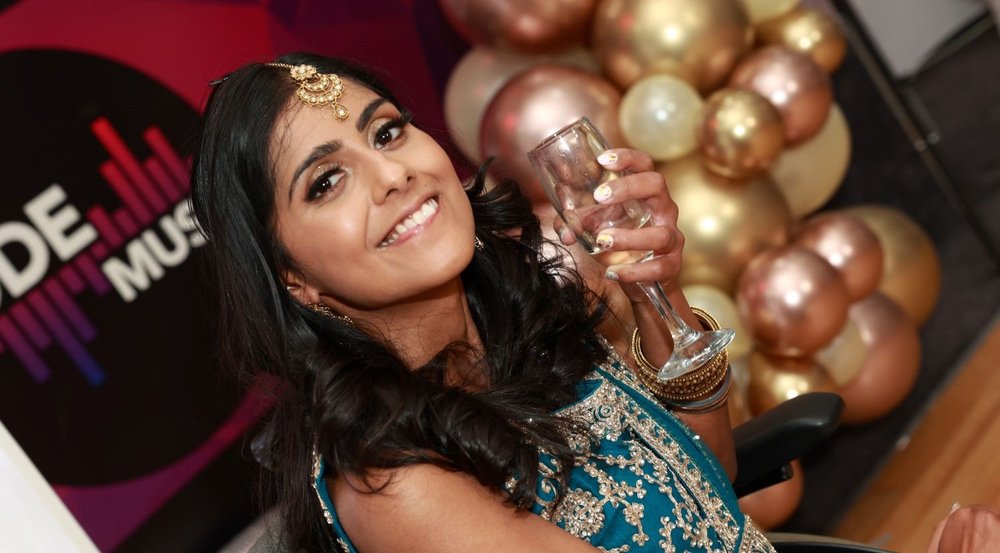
[(415, 219)]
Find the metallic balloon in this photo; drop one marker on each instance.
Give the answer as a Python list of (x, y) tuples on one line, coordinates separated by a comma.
[(793, 83), (911, 273), (764, 10), (725, 223), (478, 77), (845, 355), (772, 506), (697, 40), (723, 308), (741, 133), (792, 301), (809, 31), (891, 364), (536, 103), (775, 380), (810, 173), (659, 114), (847, 243), (739, 403), (524, 26)]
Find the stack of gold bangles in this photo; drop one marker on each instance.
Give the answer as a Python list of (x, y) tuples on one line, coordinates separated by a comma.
[(701, 390)]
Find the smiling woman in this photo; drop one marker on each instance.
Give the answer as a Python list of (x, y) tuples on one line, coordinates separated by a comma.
[(445, 387)]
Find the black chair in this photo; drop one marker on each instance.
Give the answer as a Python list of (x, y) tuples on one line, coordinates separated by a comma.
[(765, 447)]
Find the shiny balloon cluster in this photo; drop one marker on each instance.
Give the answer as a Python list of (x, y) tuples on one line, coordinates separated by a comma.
[(733, 100)]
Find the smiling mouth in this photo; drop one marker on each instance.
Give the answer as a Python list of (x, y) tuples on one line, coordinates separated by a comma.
[(411, 221)]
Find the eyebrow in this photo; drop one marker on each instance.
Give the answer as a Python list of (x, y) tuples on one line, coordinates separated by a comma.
[(325, 149)]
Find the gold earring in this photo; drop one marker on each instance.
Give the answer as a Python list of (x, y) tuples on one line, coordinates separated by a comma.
[(317, 89), (322, 309)]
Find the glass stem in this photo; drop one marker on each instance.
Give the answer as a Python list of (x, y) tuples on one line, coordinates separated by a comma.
[(682, 334)]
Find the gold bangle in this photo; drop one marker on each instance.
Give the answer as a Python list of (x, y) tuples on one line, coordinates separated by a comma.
[(695, 385), (707, 321)]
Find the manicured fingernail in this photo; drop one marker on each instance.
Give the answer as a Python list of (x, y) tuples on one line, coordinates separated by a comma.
[(610, 275), (954, 507), (605, 240), (565, 234), (602, 192), (607, 158)]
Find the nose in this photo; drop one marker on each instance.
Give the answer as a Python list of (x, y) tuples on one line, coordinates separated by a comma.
[(391, 176)]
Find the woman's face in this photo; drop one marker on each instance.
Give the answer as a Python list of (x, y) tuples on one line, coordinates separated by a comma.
[(369, 209)]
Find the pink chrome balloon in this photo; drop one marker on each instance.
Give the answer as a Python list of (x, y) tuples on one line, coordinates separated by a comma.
[(849, 245), (527, 26), (535, 104), (792, 301), (891, 364), (793, 83)]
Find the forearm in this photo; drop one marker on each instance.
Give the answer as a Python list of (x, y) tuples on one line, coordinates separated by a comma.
[(713, 426)]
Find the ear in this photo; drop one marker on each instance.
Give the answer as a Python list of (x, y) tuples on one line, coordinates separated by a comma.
[(297, 285)]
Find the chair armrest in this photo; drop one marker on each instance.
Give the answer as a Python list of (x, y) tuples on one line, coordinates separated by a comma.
[(768, 442)]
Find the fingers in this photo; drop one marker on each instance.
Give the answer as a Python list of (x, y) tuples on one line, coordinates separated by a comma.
[(626, 159), (648, 187), (566, 236), (658, 239), (662, 268)]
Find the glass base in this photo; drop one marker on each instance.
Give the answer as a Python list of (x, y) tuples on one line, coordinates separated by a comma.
[(695, 353)]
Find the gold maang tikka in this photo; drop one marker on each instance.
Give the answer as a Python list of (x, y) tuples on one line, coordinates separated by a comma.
[(317, 89)]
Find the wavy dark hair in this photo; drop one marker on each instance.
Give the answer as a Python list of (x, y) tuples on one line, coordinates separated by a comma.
[(348, 392)]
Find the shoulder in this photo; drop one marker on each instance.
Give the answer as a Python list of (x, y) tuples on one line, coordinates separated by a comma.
[(427, 508)]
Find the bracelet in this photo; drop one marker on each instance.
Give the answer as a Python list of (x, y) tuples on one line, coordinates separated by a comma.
[(700, 390)]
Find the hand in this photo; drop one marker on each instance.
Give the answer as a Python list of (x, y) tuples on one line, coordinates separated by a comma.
[(971, 529), (660, 235)]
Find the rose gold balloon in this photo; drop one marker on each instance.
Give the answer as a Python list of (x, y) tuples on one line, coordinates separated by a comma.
[(891, 364), (725, 223), (775, 380), (809, 31), (793, 83), (792, 301), (810, 173), (911, 273), (478, 77), (535, 104), (526, 26), (741, 133), (773, 505), (697, 40), (845, 242)]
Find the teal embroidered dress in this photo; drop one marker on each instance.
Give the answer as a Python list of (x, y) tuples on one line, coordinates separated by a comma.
[(647, 484)]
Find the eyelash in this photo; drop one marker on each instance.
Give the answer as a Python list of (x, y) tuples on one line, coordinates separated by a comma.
[(323, 183)]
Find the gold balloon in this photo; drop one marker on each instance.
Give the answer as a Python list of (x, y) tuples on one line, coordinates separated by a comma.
[(739, 402), (723, 308), (725, 223), (891, 363), (911, 273), (845, 242), (477, 78), (773, 505), (763, 10), (845, 355), (809, 31), (810, 173), (697, 40), (659, 114), (793, 83), (775, 380), (536, 103), (741, 133), (792, 301), (526, 26)]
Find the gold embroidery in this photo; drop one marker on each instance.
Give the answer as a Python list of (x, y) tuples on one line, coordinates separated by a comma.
[(656, 460)]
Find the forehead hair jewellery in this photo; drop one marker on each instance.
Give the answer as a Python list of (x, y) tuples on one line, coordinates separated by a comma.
[(317, 89)]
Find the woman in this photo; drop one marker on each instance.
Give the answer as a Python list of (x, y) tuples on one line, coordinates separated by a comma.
[(444, 387)]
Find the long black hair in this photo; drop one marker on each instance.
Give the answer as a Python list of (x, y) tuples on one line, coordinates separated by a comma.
[(349, 394)]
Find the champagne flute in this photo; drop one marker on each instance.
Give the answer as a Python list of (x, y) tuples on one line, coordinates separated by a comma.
[(567, 167)]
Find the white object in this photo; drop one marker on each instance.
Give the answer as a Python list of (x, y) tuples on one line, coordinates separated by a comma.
[(32, 517)]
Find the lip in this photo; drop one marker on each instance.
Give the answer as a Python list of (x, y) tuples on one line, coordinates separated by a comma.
[(410, 233)]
